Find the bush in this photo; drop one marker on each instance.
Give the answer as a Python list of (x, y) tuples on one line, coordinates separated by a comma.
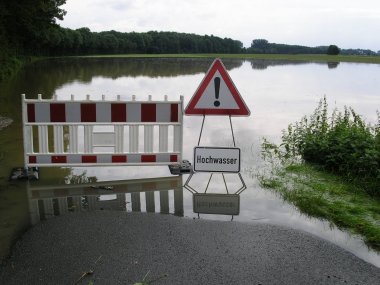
[(343, 144)]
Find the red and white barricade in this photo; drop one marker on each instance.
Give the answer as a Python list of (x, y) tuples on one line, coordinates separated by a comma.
[(91, 133)]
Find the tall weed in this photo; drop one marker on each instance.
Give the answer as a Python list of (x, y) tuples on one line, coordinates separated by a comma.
[(342, 143)]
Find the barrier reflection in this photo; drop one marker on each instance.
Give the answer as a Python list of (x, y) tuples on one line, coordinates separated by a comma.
[(125, 195)]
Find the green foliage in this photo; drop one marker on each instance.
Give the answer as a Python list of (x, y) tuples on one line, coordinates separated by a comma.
[(262, 46), (333, 50), (343, 144)]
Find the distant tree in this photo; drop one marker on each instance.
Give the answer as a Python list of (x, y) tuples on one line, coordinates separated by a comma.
[(260, 46), (333, 50)]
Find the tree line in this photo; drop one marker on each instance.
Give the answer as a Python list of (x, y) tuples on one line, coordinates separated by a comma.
[(29, 28)]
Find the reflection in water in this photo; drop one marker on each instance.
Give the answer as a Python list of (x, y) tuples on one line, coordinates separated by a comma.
[(332, 65), (53, 200), (57, 72), (261, 64)]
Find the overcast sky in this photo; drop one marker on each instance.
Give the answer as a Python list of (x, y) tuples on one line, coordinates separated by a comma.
[(346, 23)]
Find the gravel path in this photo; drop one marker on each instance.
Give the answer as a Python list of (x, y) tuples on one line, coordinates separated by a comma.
[(121, 248)]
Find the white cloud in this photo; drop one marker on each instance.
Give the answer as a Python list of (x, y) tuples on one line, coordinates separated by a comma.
[(353, 24)]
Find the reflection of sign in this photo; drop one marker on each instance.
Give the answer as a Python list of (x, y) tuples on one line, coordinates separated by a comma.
[(217, 95), (222, 204), (216, 159)]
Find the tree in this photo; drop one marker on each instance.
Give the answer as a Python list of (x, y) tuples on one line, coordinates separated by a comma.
[(333, 50), (25, 21)]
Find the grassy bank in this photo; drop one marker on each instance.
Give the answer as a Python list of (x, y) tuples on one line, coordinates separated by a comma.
[(328, 165), (290, 57), (323, 195)]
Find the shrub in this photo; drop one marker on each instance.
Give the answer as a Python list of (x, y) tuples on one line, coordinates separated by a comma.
[(343, 144)]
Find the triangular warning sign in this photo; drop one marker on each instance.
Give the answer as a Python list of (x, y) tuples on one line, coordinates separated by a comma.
[(217, 95)]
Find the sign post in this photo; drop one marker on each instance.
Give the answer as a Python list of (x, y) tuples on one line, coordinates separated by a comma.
[(217, 95)]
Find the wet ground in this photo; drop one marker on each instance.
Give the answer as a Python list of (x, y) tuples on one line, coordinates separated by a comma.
[(123, 248)]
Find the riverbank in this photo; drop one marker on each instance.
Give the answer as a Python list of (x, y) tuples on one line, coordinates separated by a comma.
[(177, 250), (288, 57), (327, 196)]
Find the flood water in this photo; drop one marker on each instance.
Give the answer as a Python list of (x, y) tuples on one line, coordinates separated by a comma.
[(276, 92)]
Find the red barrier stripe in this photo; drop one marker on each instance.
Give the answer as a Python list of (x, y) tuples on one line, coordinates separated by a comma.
[(119, 158), (31, 113), (118, 112), (174, 113), (148, 158), (32, 159), (88, 112), (173, 158), (148, 112), (57, 112), (89, 159), (58, 159)]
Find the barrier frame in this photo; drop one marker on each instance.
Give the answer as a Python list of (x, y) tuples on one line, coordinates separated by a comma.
[(43, 113)]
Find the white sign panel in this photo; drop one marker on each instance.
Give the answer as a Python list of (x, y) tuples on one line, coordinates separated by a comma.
[(216, 159), (221, 204)]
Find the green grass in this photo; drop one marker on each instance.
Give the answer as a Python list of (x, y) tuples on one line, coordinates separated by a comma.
[(290, 57), (323, 195)]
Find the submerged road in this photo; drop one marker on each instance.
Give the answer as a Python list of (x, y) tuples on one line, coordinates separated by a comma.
[(122, 248)]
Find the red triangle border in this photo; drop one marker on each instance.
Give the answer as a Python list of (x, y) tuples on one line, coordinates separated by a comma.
[(217, 65)]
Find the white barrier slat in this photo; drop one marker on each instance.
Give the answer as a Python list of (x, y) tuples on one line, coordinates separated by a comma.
[(73, 139), (28, 144), (177, 139), (119, 139), (43, 139), (148, 139), (163, 139), (133, 139), (58, 139), (88, 141)]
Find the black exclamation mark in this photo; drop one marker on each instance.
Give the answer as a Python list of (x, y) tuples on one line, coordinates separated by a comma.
[(217, 86)]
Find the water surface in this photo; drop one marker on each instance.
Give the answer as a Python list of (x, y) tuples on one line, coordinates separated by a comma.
[(276, 92)]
